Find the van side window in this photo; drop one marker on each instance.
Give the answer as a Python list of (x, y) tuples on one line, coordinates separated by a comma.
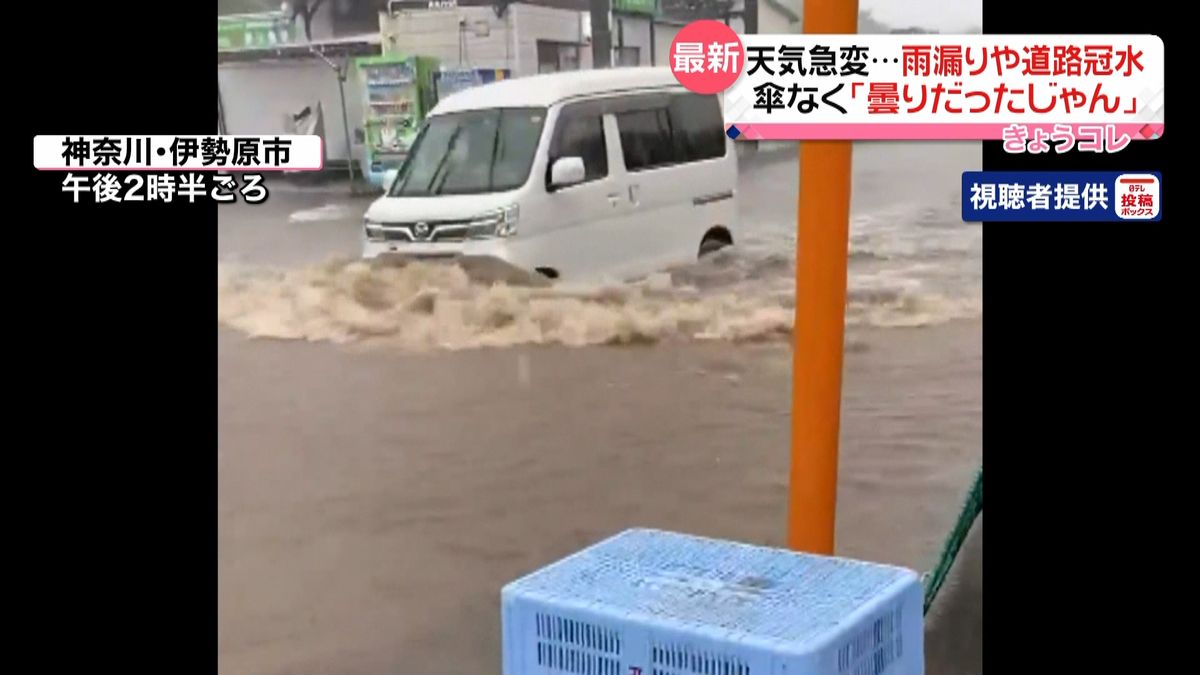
[(647, 139), (699, 120), (684, 128), (581, 135)]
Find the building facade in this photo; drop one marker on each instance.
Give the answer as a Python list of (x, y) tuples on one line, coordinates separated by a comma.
[(266, 83), (525, 38)]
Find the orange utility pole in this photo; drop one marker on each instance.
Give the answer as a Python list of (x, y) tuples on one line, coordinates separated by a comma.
[(822, 241)]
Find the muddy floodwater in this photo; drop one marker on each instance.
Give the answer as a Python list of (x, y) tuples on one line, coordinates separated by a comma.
[(395, 444)]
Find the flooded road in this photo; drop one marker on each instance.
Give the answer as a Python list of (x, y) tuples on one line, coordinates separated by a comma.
[(388, 461)]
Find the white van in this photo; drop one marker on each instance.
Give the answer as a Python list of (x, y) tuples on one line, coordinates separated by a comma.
[(585, 174)]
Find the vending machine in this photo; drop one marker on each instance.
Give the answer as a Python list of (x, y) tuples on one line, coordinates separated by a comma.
[(399, 92)]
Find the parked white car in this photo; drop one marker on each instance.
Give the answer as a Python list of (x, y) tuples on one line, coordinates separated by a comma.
[(577, 175)]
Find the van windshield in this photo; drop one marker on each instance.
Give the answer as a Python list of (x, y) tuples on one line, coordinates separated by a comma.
[(472, 152)]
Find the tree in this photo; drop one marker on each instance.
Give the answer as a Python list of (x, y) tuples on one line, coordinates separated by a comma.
[(698, 9), (306, 9)]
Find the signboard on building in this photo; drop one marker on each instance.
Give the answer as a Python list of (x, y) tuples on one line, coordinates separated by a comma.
[(649, 7), (427, 4), (253, 31), (453, 81)]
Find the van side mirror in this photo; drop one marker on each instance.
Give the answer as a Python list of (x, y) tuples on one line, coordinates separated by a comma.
[(389, 177), (567, 171)]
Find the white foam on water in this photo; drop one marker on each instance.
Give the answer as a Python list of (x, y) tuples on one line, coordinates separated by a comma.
[(328, 212), (423, 306)]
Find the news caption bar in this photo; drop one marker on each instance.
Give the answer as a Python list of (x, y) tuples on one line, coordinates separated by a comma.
[(1032, 91), (178, 153), (1041, 196), (173, 169)]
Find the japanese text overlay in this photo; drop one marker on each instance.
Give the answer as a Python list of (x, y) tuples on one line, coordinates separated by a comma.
[(1105, 89)]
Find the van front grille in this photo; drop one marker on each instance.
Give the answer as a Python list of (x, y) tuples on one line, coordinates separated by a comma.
[(426, 231)]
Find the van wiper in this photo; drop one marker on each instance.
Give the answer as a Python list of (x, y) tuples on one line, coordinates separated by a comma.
[(437, 172)]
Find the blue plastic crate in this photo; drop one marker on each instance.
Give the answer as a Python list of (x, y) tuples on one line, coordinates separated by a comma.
[(647, 602)]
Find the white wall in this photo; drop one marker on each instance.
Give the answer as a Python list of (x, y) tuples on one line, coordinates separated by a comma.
[(436, 33), (322, 25), (545, 23), (773, 21), (664, 35), (636, 34), (257, 97), (511, 41)]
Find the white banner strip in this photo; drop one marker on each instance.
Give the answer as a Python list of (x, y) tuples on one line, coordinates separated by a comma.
[(945, 86), (178, 153)]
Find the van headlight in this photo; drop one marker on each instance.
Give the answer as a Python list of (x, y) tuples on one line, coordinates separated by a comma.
[(372, 230), (508, 226), (500, 223)]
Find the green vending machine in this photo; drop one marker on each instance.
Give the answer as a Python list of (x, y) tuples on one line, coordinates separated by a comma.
[(399, 91)]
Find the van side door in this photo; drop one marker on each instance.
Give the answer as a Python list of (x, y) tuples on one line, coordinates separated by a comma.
[(677, 180), (583, 216)]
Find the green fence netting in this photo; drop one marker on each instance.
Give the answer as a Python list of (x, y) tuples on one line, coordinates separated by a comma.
[(971, 509)]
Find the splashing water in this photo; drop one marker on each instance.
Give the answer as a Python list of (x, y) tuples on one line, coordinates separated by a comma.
[(422, 306)]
